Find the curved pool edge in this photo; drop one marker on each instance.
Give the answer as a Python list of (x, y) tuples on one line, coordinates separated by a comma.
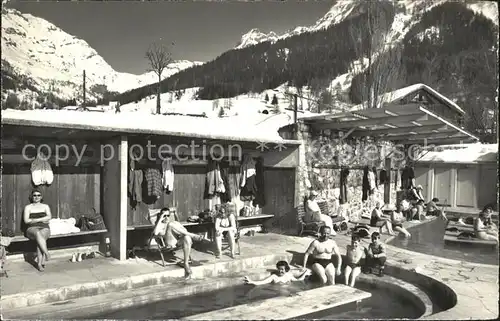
[(461, 286)]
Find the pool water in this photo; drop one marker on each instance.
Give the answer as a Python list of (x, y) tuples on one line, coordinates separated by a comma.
[(428, 238), (382, 304)]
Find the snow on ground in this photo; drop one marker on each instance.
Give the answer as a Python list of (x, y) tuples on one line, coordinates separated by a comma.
[(462, 153)]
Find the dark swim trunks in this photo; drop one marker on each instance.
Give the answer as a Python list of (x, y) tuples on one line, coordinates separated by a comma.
[(354, 265), (323, 262)]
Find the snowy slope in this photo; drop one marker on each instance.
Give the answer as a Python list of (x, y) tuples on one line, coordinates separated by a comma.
[(55, 60)]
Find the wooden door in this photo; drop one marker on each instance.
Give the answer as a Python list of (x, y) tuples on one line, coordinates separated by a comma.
[(280, 197), (442, 184), (466, 186)]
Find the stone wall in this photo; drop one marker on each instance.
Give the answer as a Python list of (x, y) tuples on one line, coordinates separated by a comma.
[(322, 154)]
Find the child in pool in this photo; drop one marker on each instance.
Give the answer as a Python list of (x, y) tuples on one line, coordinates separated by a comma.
[(354, 254), (283, 276)]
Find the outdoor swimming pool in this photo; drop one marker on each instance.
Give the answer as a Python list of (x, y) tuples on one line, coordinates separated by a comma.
[(382, 304), (427, 238)]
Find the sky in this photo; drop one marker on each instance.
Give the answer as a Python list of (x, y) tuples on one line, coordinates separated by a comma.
[(121, 31)]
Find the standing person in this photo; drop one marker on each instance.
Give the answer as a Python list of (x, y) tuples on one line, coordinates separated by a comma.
[(397, 219), (377, 219), (36, 218), (376, 255), (322, 249), (354, 254), (314, 212)]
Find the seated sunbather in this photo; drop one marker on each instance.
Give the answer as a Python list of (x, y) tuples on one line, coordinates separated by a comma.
[(176, 236), (397, 219), (488, 211), (283, 275), (416, 193), (433, 210), (224, 222), (484, 232), (314, 212), (376, 257), (354, 254), (322, 249), (378, 220)]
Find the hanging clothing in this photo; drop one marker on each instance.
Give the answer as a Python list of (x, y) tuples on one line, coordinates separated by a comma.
[(384, 178), (41, 172), (407, 177), (153, 179), (365, 185), (225, 174), (213, 182), (168, 175), (344, 173), (135, 178), (376, 177), (248, 182), (397, 180), (371, 181), (260, 197)]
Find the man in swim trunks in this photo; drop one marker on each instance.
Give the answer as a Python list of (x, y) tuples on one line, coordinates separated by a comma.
[(322, 250), (354, 254)]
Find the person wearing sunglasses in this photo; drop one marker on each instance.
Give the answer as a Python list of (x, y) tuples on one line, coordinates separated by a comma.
[(36, 218)]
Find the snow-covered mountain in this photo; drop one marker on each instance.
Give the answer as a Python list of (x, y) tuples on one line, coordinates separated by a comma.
[(52, 60), (346, 9)]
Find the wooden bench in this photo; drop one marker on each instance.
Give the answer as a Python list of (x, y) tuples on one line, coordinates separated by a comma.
[(22, 238)]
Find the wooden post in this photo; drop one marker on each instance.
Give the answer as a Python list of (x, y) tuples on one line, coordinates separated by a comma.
[(123, 198), (387, 185), (84, 90), (295, 106)]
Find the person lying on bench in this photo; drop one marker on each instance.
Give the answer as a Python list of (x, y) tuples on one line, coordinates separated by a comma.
[(375, 255), (283, 276), (484, 232), (355, 252), (36, 218), (314, 212), (322, 249), (224, 222), (176, 236)]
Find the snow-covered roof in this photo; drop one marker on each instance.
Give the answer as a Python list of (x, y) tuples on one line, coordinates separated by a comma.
[(233, 129), (394, 96), (462, 153)]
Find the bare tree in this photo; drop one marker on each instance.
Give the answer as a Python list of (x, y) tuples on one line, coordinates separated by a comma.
[(159, 58), (372, 43)]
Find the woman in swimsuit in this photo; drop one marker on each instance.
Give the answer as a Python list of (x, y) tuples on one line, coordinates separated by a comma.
[(283, 276), (322, 250), (36, 217), (378, 220), (484, 232), (224, 222), (397, 221), (353, 255)]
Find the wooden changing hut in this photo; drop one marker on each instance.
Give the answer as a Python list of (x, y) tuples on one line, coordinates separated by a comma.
[(95, 173)]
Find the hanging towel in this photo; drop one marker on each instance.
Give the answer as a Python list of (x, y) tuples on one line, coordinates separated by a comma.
[(153, 179), (366, 185), (225, 174), (247, 169), (168, 175), (41, 172)]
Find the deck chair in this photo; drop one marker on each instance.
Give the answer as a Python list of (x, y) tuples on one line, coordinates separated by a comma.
[(307, 227), (339, 222), (156, 241)]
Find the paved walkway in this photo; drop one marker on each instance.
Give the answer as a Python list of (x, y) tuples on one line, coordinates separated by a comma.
[(476, 285)]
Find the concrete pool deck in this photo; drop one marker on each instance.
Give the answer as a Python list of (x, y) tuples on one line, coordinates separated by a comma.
[(475, 285)]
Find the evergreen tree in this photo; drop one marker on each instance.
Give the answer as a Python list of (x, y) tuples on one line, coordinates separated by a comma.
[(266, 99), (275, 100)]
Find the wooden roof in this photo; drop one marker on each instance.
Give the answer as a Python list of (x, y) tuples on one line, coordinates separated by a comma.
[(407, 124)]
